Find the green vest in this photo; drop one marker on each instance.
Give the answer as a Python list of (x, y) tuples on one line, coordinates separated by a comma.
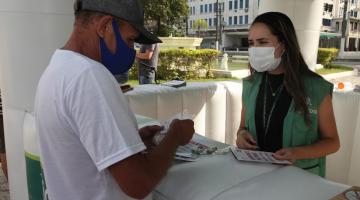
[(295, 131)]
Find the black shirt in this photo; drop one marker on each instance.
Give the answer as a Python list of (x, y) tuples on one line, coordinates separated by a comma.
[(144, 65), (272, 141)]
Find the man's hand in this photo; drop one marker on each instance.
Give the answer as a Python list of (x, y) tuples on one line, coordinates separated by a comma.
[(244, 140), (147, 134), (138, 174), (183, 130), (286, 154)]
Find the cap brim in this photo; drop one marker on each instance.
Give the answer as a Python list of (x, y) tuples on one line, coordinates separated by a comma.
[(145, 36)]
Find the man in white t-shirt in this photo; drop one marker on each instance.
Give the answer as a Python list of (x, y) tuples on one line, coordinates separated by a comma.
[(91, 148)]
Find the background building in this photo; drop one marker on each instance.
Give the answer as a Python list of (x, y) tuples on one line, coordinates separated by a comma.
[(333, 19), (231, 20), (237, 15)]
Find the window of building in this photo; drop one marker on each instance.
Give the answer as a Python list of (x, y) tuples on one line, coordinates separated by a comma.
[(341, 12), (326, 22), (210, 8), (235, 20), (241, 4), (210, 22), (355, 14), (246, 19), (230, 5), (215, 21), (337, 26), (236, 3), (246, 3), (215, 7), (326, 7), (206, 8), (191, 24), (230, 20), (241, 20), (201, 8), (355, 26), (194, 10)]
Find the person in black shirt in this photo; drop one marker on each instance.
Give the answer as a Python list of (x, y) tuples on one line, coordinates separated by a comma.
[(148, 57)]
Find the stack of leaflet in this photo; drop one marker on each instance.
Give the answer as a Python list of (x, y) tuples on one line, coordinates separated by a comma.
[(200, 147), (175, 83)]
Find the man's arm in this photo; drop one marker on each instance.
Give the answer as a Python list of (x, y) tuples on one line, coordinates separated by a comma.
[(145, 56), (149, 51), (138, 175)]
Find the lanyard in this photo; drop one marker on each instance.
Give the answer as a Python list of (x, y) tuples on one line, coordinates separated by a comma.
[(266, 123)]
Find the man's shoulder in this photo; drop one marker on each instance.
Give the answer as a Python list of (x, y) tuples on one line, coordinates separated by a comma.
[(73, 64), (68, 68)]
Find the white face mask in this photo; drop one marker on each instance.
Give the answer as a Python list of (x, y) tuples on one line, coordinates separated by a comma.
[(263, 59)]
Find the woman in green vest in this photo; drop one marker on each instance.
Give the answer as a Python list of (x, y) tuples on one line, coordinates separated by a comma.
[(287, 108)]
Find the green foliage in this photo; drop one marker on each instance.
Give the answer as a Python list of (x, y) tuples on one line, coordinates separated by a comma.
[(200, 25), (183, 64), (168, 15), (334, 69), (326, 56), (133, 72)]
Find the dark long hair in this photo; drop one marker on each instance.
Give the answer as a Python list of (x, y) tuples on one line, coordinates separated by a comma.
[(294, 64)]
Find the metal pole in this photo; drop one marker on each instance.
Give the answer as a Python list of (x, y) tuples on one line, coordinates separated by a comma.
[(344, 23), (344, 27), (220, 18), (217, 19), (187, 25)]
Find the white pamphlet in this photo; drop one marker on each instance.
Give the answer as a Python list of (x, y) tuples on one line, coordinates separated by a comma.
[(207, 146), (256, 156)]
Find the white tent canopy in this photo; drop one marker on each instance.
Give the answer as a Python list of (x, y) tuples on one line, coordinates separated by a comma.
[(30, 32)]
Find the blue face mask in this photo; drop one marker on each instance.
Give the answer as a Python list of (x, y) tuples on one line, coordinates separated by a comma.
[(124, 57)]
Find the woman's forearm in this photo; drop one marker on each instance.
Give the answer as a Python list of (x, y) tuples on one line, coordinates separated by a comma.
[(319, 149)]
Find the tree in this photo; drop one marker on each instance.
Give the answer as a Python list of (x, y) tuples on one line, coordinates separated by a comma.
[(165, 17), (200, 24)]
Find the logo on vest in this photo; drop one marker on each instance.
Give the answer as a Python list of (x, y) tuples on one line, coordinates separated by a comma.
[(308, 101), (309, 104)]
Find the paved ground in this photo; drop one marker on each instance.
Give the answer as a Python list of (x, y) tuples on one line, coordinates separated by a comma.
[(351, 77), (355, 80)]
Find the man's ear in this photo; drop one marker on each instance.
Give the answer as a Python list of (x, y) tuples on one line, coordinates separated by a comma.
[(103, 25)]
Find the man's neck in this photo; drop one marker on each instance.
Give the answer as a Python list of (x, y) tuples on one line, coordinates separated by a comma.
[(83, 43)]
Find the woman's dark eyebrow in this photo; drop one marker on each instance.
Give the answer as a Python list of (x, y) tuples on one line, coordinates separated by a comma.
[(261, 39)]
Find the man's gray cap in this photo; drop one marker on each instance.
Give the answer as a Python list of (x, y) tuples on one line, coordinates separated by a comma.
[(130, 11)]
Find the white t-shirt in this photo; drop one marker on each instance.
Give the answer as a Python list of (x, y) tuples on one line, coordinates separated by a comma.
[(85, 125)]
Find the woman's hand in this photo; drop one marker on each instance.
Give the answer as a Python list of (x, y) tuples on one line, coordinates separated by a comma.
[(286, 154), (245, 140)]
